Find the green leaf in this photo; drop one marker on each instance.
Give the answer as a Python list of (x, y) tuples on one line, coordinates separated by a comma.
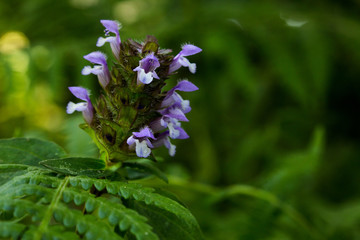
[(145, 166), (28, 151), (91, 167), (166, 224)]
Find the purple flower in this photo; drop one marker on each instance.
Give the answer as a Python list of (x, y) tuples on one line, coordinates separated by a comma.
[(111, 26), (174, 99), (100, 70), (140, 141), (174, 112), (174, 126), (146, 69), (85, 107), (163, 139), (180, 60)]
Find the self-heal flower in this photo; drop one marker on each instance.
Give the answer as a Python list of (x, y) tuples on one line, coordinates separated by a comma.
[(174, 99), (163, 139), (101, 70), (146, 69), (181, 60), (140, 141), (174, 126), (115, 41), (85, 107)]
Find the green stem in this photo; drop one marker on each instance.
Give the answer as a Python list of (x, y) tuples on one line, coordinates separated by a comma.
[(49, 212)]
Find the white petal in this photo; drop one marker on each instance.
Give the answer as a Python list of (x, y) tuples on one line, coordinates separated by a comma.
[(192, 67), (72, 107), (142, 150), (145, 78), (173, 133), (100, 42), (184, 61), (171, 147), (86, 70)]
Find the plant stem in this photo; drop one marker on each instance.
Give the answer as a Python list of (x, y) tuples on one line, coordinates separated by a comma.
[(49, 212)]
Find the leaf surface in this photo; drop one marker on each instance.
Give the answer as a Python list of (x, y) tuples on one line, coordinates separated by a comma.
[(28, 151), (91, 167)]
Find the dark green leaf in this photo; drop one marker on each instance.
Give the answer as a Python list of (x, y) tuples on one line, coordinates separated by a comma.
[(167, 225), (91, 167), (28, 151)]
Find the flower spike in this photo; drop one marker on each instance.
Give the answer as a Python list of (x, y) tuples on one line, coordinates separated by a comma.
[(134, 114)]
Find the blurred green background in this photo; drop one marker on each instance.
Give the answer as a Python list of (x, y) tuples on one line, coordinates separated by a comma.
[(274, 149)]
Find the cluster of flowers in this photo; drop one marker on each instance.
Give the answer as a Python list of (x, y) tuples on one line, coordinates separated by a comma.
[(156, 123)]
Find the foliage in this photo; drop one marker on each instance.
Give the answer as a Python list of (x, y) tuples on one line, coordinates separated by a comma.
[(37, 203), (267, 92)]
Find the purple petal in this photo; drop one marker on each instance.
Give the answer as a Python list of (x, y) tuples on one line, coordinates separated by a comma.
[(130, 141), (174, 112), (149, 63), (80, 93), (156, 125), (112, 26), (184, 86), (183, 134), (189, 49), (97, 58), (175, 65), (145, 132)]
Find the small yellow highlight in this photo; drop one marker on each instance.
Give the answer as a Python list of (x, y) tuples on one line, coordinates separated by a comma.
[(128, 11), (13, 41)]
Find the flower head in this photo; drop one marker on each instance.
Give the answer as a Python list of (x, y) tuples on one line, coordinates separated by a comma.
[(146, 69), (85, 107), (134, 113), (115, 41), (181, 60), (101, 70)]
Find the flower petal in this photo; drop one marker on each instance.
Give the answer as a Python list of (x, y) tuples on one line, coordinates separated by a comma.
[(80, 93), (72, 107), (189, 49), (144, 132), (97, 69), (141, 149), (101, 41), (171, 147), (185, 86), (97, 58), (174, 112), (145, 78), (112, 26), (131, 140)]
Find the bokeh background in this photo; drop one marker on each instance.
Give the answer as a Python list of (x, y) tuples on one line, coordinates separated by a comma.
[(274, 149)]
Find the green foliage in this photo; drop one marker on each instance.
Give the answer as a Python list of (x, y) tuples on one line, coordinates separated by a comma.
[(265, 89), (38, 203)]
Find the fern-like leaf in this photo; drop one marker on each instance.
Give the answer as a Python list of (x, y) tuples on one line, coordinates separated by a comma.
[(37, 203)]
